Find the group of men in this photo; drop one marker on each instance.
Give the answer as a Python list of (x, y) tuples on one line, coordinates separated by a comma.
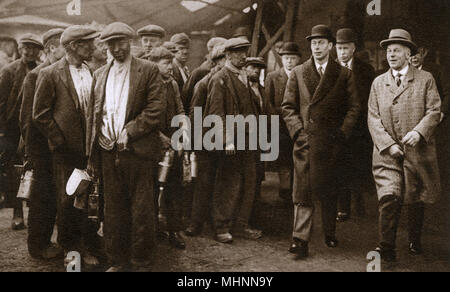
[(114, 119)]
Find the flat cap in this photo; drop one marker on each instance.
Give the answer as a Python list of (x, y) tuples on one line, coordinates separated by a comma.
[(78, 33), (180, 39), (235, 44), (218, 52), (54, 32), (152, 30), (30, 38), (117, 30), (215, 42), (160, 53), (170, 46), (256, 61)]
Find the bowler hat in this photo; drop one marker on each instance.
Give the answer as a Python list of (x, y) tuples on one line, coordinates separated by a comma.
[(290, 48), (152, 30), (345, 35), (400, 36), (236, 44), (180, 39), (54, 32), (321, 31), (241, 31), (256, 61), (78, 33), (30, 38), (117, 30)]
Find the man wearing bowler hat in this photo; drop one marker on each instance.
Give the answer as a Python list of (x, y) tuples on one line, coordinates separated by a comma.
[(356, 175), (11, 80), (320, 108), (60, 112), (404, 111), (275, 87), (42, 211), (152, 36), (124, 145)]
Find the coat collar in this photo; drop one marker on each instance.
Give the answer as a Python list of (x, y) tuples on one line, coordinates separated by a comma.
[(390, 82), (66, 78), (318, 87)]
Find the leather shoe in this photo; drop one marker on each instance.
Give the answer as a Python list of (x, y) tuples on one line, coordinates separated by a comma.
[(18, 224), (176, 240), (415, 248), (331, 241), (224, 237), (299, 248), (192, 231), (387, 254), (53, 251), (342, 217)]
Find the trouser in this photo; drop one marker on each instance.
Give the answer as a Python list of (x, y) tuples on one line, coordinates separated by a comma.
[(173, 197), (204, 188), (11, 177), (233, 200), (304, 219), (75, 231), (42, 207), (389, 217), (129, 207), (285, 164)]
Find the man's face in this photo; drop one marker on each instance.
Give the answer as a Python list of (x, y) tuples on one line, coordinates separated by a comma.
[(120, 49), (398, 56), (150, 42), (237, 58), (57, 51), (100, 53), (345, 52), (165, 67), (182, 53), (321, 48), (84, 49), (419, 58), (221, 62), (253, 73), (290, 61), (30, 52)]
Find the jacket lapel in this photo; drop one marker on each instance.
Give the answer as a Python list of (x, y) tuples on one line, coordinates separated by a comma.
[(282, 76), (328, 80), (405, 84), (101, 92), (64, 75), (135, 78), (311, 76)]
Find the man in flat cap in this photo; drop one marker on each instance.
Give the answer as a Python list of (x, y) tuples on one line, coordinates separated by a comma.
[(230, 94), (275, 87), (152, 36), (404, 111), (320, 108), (42, 204), (99, 57), (211, 44), (181, 72), (207, 160), (172, 47), (357, 158), (124, 145), (11, 81), (60, 112)]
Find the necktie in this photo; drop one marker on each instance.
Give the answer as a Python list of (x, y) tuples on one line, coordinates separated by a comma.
[(320, 71), (348, 66), (398, 79)]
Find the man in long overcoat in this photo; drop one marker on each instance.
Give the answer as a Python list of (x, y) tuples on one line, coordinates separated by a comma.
[(404, 111), (320, 108)]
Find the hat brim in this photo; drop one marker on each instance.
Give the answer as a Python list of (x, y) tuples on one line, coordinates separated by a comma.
[(31, 42), (91, 36), (282, 53), (151, 34), (384, 44), (317, 36), (345, 41), (117, 36), (238, 47)]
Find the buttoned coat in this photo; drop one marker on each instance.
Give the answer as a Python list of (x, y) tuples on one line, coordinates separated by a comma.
[(393, 112), (320, 114)]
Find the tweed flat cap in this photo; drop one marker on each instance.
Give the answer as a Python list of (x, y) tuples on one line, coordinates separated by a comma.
[(30, 38), (180, 39), (215, 42), (159, 53), (256, 61), (78, 33), (152, 30), (236, 44), (117, 30), (54, 32), (218, 52), (170, 46)]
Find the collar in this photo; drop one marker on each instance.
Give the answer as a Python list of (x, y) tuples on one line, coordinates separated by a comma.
[(126, 63), (232, 68), (324, 65), (288, 73), (404, 71), (349, 63), (176, 62)]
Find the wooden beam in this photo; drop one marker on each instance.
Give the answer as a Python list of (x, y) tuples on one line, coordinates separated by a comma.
[(273, 40), (290, 15), (268, 37), (257, 29), (221, 6)]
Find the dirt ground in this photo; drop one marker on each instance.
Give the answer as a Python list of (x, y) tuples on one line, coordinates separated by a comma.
[(269, 254)]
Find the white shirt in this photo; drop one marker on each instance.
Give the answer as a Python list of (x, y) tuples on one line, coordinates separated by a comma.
[(288, 73), (404, 71), (324, 66), (116, 100), (82, 80), (348, 64)]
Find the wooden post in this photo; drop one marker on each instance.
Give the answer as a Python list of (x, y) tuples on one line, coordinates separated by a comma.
[(291, 10), (257, 29), (273, 40)]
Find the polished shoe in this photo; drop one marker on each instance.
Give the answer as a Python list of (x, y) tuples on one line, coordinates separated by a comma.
[(192, 231), (387, 254), (415, 248), (331, 241), (248, 233), (224, 237), (342, 217), (18, 224), (299, 248), (176, 240), (53, 251)]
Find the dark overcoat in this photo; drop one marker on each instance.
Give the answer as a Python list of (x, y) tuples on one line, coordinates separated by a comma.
[(320, 114)]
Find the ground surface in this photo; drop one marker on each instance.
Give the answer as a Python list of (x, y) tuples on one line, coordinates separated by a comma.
[(269, 254)]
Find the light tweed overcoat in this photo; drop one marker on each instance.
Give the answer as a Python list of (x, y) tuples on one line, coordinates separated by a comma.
[(393, 112)]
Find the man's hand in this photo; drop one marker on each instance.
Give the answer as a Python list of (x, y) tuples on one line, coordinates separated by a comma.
[(442, 117), (395, 151), (230, 149), (122, 142), (411, 139)]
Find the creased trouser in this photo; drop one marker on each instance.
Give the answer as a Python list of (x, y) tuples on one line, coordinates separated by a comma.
[(75, 231), (236, 182), (42, 211), (129, 207)]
